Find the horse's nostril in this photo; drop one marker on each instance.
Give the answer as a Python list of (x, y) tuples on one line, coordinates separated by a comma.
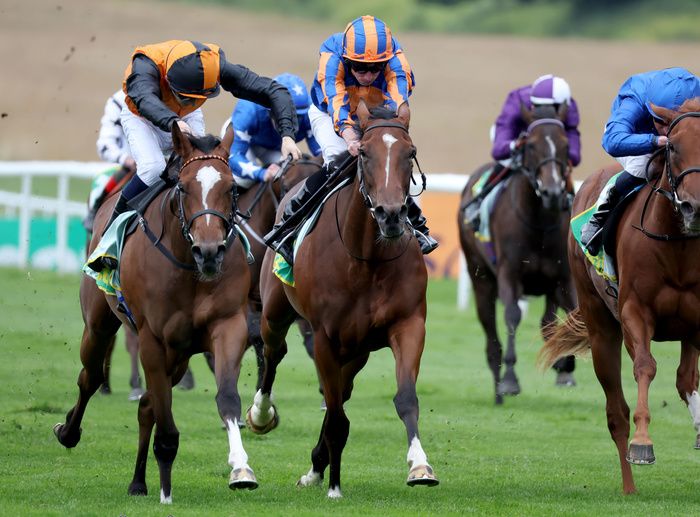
[(380, 213), (403, 212), (687, 209), (196, 251)]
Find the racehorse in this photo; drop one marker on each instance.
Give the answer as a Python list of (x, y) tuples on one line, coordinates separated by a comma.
[(186, 293), (361, 283), (528, 229), (259, 204), (658, 295)]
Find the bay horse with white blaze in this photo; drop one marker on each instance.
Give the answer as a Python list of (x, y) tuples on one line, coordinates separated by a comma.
[(658, 297), (361, 283), (186, 295), (528, 228)]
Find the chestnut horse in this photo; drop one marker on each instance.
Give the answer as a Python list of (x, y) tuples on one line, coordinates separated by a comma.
[(361, 283), (528, 229), (658, 296), (187, 294)]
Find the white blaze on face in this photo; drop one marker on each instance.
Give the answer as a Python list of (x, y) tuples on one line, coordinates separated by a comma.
[(553, 154), (237, 457), (388, 142), (208, 177)]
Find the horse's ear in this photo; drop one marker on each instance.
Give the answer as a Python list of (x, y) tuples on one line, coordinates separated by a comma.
[(227, 140), (362, 113), (664, 113), (181, 142), (526, 114), (404, 114), (563, 111)]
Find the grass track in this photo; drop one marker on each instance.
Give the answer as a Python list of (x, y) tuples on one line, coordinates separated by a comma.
[(546, 452)]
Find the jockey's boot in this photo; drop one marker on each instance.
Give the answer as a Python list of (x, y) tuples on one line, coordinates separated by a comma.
[(592, 231), (284, 243), (420, 229), (472, 212)]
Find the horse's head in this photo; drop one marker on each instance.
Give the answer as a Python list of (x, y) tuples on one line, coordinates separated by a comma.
[(384, 166), (545, 154), (682, 128), (206, 200)]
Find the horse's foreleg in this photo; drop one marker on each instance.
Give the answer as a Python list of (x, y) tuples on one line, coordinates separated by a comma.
[(687, 384), (167, 437), (336, 425), (637, 331), (132, 346), (255, 340), (509, 293), (407, 341), (146, 422), (228, 344)]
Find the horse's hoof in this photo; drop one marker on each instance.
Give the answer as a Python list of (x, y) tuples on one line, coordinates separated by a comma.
[(311, 478), (137, 488), (565, 380), (638, 454), (105, 389), (264, 429), (67, 442), (508, 387), (422, 475), (136, 394), (697, 442), (499, 399), (242, 478), (187, 381)]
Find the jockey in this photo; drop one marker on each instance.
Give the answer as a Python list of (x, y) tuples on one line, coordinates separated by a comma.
[(167, 83), (633, 132), (510, 126), (362, 63), (256, 139), (111, 147)]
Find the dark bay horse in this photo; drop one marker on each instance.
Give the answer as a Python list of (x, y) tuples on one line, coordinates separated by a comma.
[(186, 296), (260, 202), (528, 230), (361, 283), (658, 297)]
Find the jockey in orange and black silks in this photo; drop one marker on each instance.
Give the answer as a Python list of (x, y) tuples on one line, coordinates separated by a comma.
[(367, 45)]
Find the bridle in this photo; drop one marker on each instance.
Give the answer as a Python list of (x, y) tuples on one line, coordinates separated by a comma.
[(186, 223), (533, 174), (361, 169), (674, 182)]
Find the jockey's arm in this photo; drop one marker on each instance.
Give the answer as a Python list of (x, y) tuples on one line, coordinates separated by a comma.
[(621, 138), (143, 87)]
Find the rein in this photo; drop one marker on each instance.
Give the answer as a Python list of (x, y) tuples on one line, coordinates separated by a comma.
[(674, 182)]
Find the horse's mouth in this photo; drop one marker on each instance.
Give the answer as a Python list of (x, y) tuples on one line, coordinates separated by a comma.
[(392, 232)]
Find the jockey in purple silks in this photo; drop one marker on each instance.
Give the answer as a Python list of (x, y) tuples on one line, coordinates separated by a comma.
[(509, 127)]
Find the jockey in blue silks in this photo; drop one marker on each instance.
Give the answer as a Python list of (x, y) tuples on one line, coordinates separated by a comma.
[(256, 144), (633, 132), (365, 63)]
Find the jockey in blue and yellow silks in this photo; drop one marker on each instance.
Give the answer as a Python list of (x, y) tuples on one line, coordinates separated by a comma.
[(362, 63)]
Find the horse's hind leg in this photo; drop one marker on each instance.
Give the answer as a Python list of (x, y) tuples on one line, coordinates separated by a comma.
[(485, 293), (407, 341), (307, 334), (146, 421), (132, 346), (101, 325), (105, 387), (320, 457), (509, 291), (687, 384)]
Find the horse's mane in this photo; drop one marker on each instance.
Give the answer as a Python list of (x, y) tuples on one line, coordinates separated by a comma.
[(544, 111), (690, 105), (380, 112), (206, 143)]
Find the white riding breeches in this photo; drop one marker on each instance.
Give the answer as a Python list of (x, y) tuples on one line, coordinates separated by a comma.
[(324, 133), (635, 165), (149, 144)]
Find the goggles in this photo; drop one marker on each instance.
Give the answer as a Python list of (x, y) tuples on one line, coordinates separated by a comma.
[(362, 67)]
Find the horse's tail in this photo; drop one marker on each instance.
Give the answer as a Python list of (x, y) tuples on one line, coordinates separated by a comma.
[(569, 337)]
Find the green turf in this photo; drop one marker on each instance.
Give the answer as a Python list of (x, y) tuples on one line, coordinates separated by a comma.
[(546, 452)]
